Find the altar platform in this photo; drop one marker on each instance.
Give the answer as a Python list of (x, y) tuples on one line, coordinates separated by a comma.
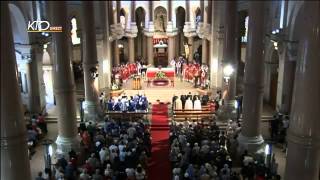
[(163, 93)]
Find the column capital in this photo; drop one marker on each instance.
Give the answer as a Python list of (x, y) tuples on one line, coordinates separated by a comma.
[(117, 32), (220, 33), (188, 30), (171, 31), (204, 31), (132, 32), (150, 30)]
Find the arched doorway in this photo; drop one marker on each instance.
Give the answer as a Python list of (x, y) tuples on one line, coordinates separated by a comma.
[(274, 79), (139, 41), (180, 20)]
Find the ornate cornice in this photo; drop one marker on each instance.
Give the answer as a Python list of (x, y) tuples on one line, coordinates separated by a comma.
[(117, 32), (150, 30), (133, 31), (171, 31)]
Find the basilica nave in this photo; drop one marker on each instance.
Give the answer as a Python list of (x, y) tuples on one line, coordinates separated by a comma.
[(160, 89)]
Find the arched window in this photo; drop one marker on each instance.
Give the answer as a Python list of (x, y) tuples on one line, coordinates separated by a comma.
[(123, 18), (75, 39), (198, 16), (246, 23)]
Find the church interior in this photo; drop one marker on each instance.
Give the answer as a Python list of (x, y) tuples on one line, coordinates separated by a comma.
[(166, 89)]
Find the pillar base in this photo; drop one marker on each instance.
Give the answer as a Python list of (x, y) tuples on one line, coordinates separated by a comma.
[(227, 111), (66, 144), (252, 144), (91, 111)]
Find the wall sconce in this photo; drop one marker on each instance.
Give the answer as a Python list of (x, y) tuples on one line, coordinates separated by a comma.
[(227, 71)]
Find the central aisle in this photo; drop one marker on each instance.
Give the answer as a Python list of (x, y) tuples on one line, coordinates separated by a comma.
[(159, 166)]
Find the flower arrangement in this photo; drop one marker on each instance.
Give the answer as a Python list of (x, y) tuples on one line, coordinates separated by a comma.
[(160, 75)]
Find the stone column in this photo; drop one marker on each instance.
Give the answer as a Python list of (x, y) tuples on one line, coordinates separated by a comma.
[(189, 31), (213, 47), (287, 64), (116, 52), (303, 156), (149, 33), (64, 86), (150, 50), (188, 10), (131, 49), (34, 76), (205, 59), (229, 53), (132, 33), (116, 41), (90, 63), (250, 137), (190, 43), (171, 33), (107, 45), (14, 154), (171, 48), (144, 48)]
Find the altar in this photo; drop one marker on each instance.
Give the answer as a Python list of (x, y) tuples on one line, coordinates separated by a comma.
[(165, 78)]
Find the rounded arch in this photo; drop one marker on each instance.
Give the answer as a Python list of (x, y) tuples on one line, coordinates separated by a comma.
[(160, 19), (19, 25), (140, 17), (198, 16), (295, 21), (181, 15), (123, 15), (180, 21)]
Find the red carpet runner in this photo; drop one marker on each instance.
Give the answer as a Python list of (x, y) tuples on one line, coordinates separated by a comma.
[(159, 166)]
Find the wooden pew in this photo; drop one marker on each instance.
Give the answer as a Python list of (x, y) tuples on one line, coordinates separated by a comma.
[(126, 115), (204, 114)]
